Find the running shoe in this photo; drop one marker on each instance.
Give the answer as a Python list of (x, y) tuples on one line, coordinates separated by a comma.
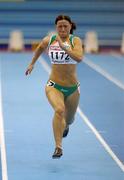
[(66, 131), (57, 153)]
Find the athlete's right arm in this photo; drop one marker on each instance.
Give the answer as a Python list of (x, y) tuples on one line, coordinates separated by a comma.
[(40, 48)]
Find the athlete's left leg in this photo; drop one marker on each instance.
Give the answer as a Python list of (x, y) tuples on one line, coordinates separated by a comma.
[(71, 104)]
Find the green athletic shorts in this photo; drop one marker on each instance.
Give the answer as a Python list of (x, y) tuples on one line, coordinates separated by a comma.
[(67, 91)]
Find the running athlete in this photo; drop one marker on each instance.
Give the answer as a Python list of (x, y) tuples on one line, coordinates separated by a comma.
[(62, 89)]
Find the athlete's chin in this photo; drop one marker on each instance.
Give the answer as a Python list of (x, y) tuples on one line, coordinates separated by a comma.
[(63, 35)]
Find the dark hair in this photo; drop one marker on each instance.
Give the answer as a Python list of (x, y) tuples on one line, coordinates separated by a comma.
[(64, 17)]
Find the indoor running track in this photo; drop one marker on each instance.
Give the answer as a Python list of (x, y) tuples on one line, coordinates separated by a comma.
[(94, 148)]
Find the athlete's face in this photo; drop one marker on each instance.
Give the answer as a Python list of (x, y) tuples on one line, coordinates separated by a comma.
[(63, 28)]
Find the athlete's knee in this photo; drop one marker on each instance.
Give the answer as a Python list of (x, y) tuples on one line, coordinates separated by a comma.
[(60, 111)]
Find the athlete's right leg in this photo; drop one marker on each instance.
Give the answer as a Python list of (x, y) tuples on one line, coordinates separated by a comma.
[(56, 99)]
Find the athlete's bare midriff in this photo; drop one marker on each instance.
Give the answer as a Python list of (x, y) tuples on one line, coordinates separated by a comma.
[(64, 75)]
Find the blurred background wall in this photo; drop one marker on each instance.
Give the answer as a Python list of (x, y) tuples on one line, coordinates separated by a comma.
[(35, 18)]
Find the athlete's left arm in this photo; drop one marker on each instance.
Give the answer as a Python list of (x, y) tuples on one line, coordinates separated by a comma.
[(75, 52)]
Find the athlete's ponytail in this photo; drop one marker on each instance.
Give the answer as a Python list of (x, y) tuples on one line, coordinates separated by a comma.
[(73, 27), (62, 17)]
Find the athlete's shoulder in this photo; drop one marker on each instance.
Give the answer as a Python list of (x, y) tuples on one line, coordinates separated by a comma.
[(52, 38), (46, 39), (77, 38)]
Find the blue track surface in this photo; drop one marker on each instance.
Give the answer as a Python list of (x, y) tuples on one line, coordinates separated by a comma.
[(28, 124)]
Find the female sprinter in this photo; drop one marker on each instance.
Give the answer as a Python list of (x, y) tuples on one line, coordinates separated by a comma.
[(65, 51)]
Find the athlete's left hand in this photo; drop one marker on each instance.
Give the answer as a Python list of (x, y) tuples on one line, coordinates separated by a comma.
[(63, 45)]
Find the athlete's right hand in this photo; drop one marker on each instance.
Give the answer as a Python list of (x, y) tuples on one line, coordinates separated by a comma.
[(29, 69)]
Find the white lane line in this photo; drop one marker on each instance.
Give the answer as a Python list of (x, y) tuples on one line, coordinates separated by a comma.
[(101, 140), (89, 124), (45, 65), (2, 139), (117, 56), (103, 72)]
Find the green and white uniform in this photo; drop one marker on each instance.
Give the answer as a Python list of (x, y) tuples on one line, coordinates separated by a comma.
[(58, 56)]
